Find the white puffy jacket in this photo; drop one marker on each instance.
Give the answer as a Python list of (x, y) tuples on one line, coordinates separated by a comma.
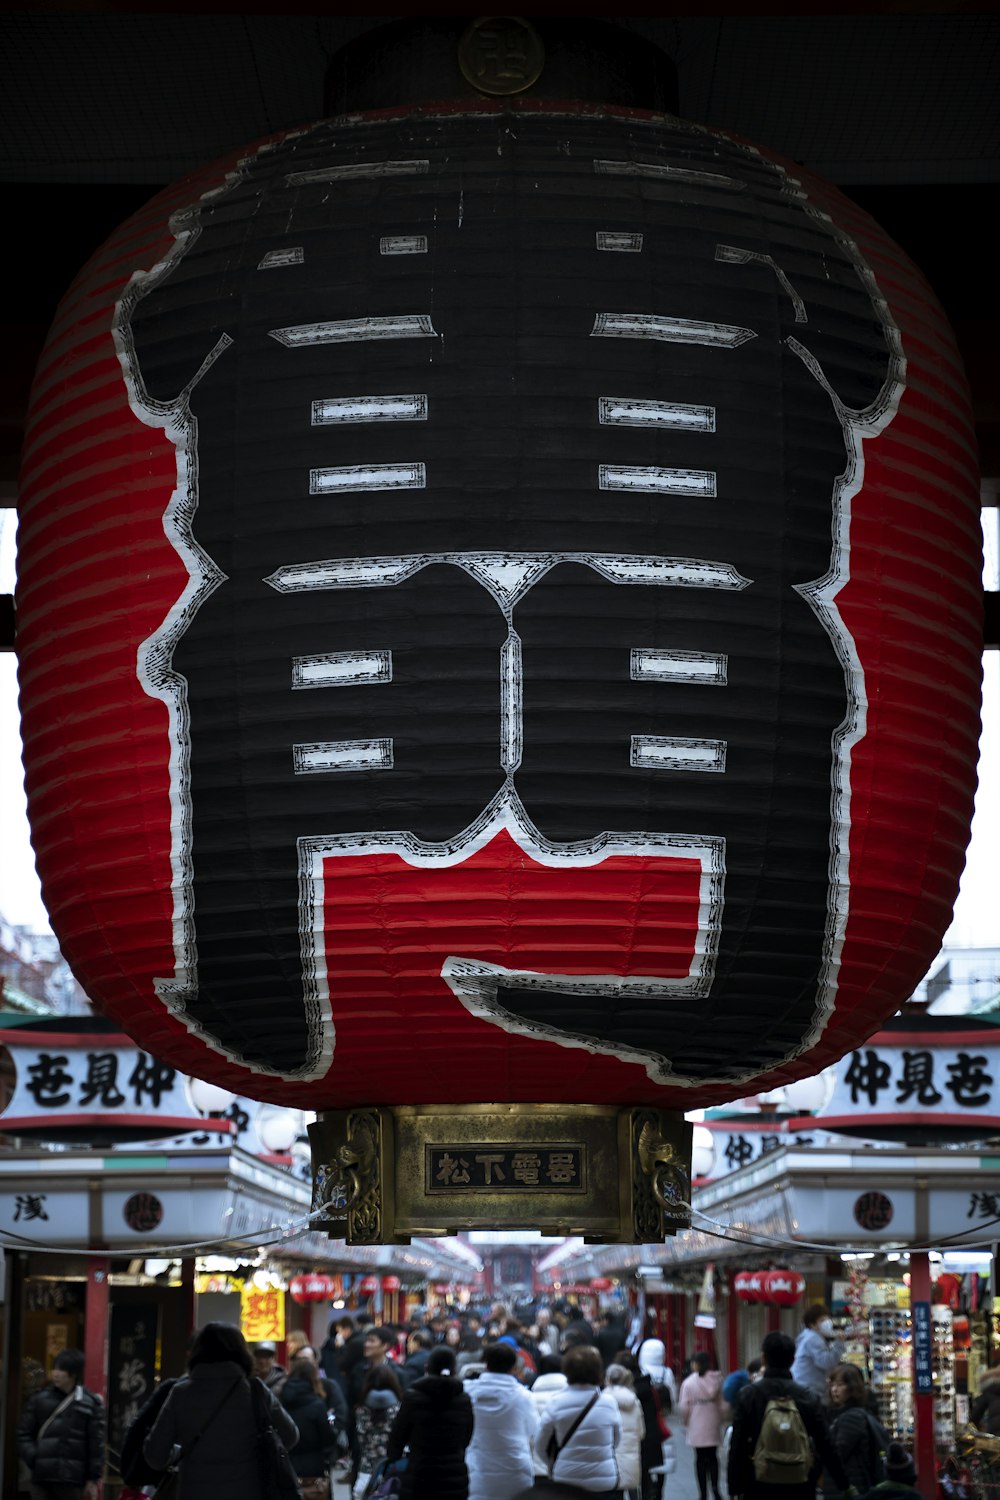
[(633, 1431), (652, 1357), (544, 1391), (588, 1460), (499, 1457)]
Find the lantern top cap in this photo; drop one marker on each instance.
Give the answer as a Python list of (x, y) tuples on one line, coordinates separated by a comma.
[(435, 59)]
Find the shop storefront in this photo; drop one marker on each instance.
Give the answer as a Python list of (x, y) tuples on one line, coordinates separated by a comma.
[(122, 1248)]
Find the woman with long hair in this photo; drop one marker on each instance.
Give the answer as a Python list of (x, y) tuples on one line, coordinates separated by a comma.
[(210, 1415), (861, 1442), (303, 1396), (435, 1423)]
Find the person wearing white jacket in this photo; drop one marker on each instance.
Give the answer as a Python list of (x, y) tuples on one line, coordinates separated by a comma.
[(620, 1384), (587, 1428), (547, 1385), (499, 1458), (652, 1357)]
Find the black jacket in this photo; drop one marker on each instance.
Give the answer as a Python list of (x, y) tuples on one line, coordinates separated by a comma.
[(71, 1450), (859, 1440), (748, 1418), (314, 1450), (132, 1464), (610, 1341), (435, 1420)]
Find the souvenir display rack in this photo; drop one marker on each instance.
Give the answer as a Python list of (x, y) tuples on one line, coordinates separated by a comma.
[(891, 1357)]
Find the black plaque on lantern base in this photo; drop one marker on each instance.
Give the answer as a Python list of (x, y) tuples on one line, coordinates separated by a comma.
[(382, 1174)]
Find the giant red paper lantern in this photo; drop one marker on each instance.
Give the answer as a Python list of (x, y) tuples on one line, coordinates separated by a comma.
[(499, 615)]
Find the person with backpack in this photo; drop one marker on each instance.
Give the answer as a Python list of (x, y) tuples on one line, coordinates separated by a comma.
[(780, 1438), (861, 1442)]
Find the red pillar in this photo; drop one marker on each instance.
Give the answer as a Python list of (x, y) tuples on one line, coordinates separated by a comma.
[(923, 1404), (95, 1330), (773, 1319)]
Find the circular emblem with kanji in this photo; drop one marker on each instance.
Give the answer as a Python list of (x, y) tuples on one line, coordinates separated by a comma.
[(143, 1212), (873, 1211)]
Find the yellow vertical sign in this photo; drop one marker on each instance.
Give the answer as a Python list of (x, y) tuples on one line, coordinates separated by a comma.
[(262, 1315)]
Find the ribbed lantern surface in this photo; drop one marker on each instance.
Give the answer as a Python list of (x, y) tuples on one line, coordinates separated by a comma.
[(499, 616)]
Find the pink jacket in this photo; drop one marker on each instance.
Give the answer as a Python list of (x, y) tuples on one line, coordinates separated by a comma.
[(700, 1406)]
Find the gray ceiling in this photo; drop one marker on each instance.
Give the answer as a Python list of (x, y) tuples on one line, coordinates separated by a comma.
[(92, 97)]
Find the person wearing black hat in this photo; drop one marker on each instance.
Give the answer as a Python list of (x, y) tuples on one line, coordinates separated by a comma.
[(900, 1482), (266, 1368)]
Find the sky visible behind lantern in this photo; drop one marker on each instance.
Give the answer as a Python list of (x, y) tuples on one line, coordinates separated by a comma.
[(977, 912)]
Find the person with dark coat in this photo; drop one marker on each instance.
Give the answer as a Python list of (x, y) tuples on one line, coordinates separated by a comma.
[(900, 1482), (860, 1440), (435, 1421), (266, 1368), (342, 1350), (210, 1415), (984, 1412), (418, 1351), (303, 1396), (134, 1469), (375, 1348), (61, 1435), (610, 1337), (778, 1352)]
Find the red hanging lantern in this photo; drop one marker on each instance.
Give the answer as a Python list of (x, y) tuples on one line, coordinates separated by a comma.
[(749, 1286), (407, 571), (783, 1288), (600, 1284), (391, 1284), (368, 1286), (311, 1288)]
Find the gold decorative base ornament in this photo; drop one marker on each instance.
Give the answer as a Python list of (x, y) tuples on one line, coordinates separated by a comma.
[(384, 1173)]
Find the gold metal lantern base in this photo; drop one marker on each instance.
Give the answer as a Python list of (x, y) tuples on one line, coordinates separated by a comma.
[(385, 1173)]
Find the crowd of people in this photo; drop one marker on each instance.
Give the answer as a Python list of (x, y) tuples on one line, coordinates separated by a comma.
[(492, 1408)]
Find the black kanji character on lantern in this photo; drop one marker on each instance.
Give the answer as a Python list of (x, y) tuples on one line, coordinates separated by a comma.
[(238, 1115), (867, 1074), (918, 1078), (738, 1151), (151, 1077), (970, 1083), (48, 1081), (101, 1081), (30, 1206), (622, 692)]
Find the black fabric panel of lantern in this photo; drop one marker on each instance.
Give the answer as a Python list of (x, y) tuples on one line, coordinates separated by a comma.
[(586, 341)]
